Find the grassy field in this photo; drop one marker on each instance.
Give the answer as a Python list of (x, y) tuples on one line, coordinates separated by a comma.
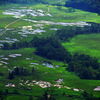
[(59, 14), (43, 73), (87, 44)]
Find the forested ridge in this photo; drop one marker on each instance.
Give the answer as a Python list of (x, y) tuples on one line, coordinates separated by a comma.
[(90, 5)]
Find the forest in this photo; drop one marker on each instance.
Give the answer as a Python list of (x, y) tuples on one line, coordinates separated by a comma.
[(88, 5)]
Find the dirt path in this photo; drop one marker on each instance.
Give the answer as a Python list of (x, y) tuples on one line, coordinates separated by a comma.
[(9, 25), (12, 23)]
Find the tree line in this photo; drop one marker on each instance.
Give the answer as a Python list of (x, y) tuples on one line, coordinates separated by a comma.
[(84, 66), (51, 48), (89, 5), (68, 32)]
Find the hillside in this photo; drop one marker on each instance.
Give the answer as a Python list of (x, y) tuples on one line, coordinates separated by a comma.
[(48, 51), (35, 1), (89, 5)]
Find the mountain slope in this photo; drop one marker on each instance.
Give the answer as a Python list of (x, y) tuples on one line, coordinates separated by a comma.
[(32, 1), (89, 5)]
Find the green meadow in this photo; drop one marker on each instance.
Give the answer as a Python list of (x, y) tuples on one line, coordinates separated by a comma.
[(60, 14), (43, 73), (85, 44)]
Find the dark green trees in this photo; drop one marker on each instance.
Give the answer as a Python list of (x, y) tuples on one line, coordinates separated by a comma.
[(89, 5), (84, 66), (52, 49), (18, 71)]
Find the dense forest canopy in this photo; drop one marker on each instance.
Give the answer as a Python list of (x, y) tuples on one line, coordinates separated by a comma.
[(90, 5)]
